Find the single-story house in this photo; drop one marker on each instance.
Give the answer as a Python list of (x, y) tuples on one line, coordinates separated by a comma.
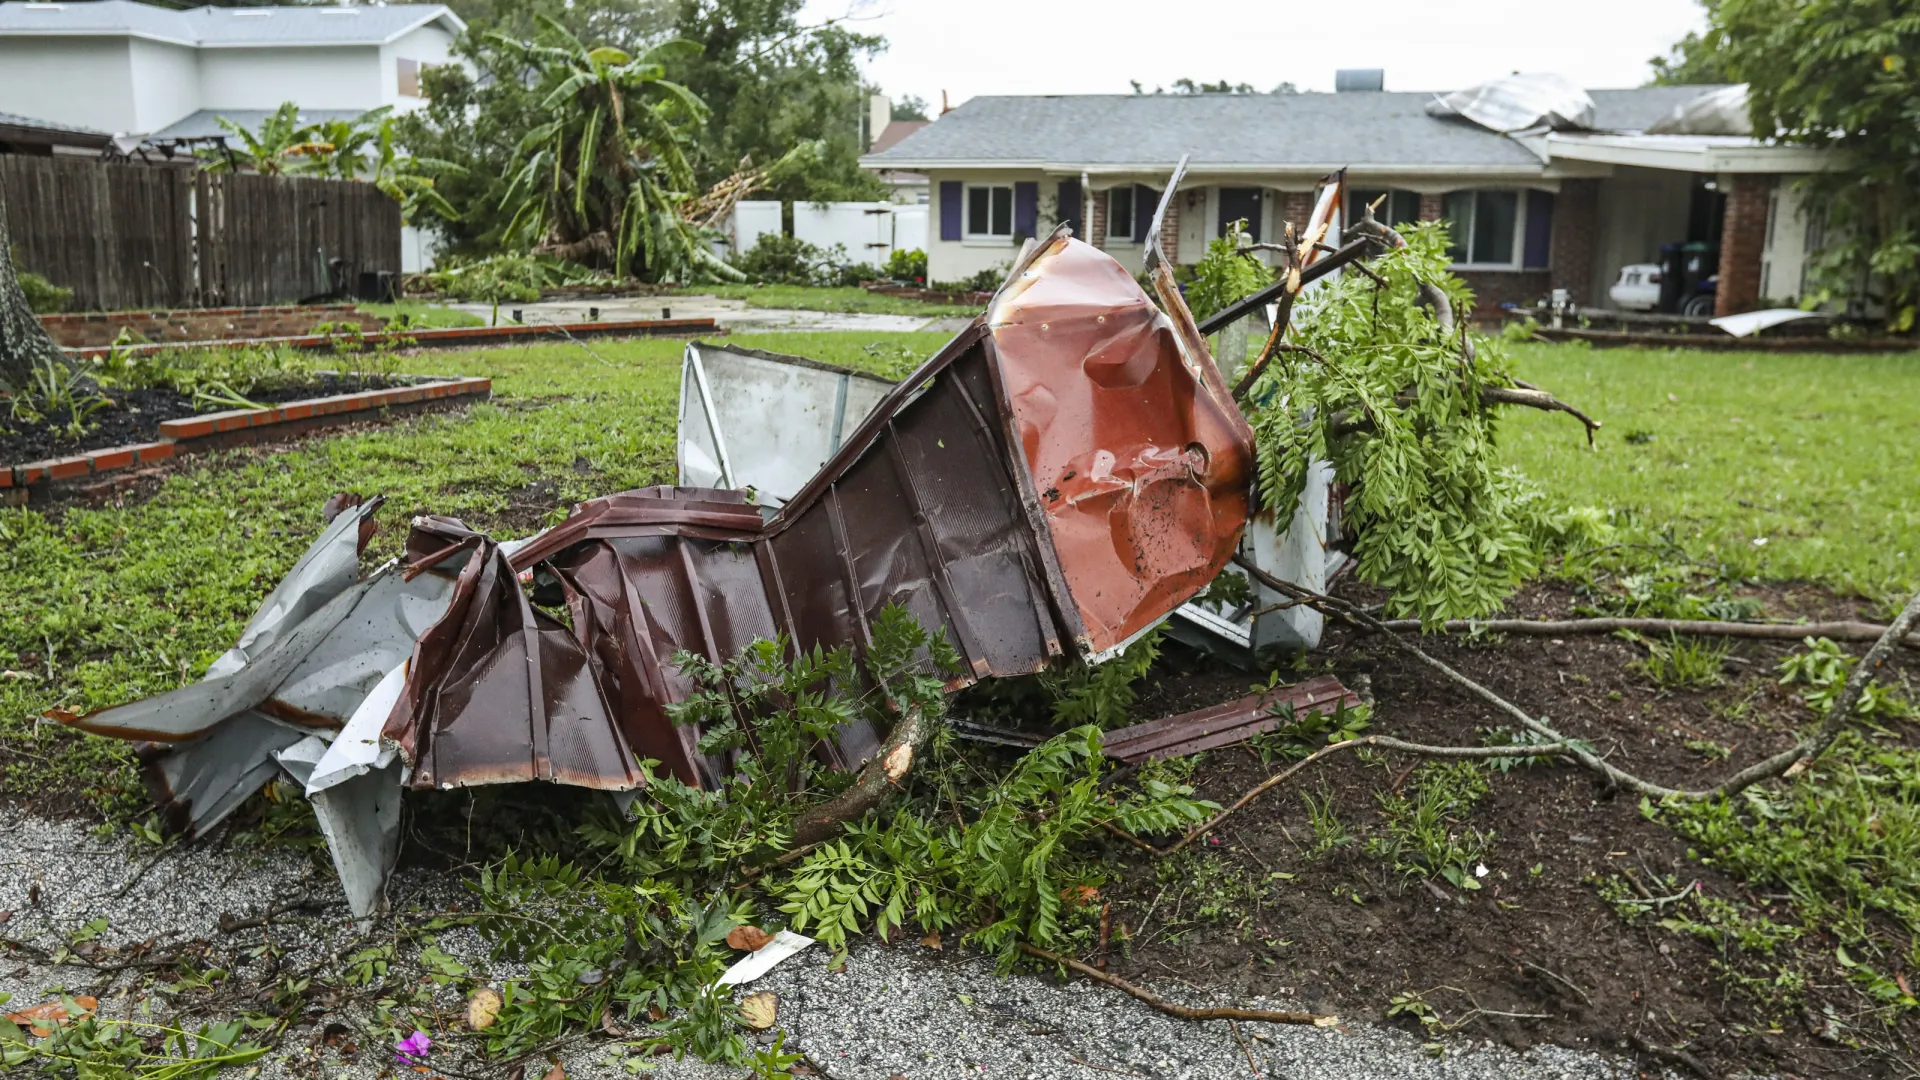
[(27, 135), (1534, 210), (133, 69)]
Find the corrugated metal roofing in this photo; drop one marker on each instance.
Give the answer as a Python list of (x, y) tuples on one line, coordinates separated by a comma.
[(213, 27), (1379, 130)]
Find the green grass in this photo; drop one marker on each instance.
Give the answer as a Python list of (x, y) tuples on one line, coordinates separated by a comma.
[(816, 298), (1814, 455), (107, 605), (424, 315)]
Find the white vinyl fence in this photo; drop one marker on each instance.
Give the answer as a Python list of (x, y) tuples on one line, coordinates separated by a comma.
[(869, 231)]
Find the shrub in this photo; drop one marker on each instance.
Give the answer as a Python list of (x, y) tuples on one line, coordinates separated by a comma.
[(43, 296), (907, 266), (775, 259)]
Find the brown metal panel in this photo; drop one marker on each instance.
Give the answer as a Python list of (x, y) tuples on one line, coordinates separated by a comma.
[(1228, 723)]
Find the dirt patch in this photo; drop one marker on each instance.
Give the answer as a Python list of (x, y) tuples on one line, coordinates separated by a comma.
[(1537, 950), (134, 416)]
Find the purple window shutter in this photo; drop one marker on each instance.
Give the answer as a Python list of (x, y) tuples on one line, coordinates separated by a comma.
[(1539, 240), (1145, 201), (1070, 207), (949, 209), (1026, 208)]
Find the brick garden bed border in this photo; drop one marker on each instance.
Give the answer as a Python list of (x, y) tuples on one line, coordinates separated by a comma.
[(36, 481)]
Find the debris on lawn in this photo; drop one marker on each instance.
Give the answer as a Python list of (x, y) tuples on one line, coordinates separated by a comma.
[(1048, 487)]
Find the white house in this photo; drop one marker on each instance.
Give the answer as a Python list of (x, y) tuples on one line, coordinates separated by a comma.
[(134, 69)]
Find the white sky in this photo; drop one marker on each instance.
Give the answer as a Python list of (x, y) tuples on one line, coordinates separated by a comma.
[(969, 47)]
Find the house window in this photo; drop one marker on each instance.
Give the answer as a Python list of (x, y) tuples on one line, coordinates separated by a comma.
[(409, 71), (1120, 214), (1396, 209), (1483, 228), (989, 210)]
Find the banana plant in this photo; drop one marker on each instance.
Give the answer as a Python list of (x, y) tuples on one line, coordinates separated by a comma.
[(600, 181), (266, 151), (339, 148), (410, 181)]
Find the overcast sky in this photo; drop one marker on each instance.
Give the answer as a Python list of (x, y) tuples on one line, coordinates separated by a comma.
[(969, 47)]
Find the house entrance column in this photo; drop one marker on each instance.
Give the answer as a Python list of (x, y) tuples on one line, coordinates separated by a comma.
[(1743, 237)]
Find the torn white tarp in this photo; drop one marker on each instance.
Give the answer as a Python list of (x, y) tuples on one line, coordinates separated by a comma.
[(762, 960), (1721, 111), (1519, 103), (1752, 322)]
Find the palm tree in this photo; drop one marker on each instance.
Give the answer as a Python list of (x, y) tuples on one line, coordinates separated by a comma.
[(600, 182), (266, 152)]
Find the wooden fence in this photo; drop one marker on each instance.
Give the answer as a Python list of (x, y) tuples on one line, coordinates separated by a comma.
[(126, 237)]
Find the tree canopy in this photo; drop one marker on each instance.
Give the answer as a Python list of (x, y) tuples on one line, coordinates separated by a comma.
[(1840, 75)]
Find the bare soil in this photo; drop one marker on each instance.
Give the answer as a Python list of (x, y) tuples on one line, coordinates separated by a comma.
[(1345, 933)]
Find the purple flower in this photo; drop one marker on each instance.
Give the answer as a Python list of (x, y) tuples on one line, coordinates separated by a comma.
[(413, 1049)]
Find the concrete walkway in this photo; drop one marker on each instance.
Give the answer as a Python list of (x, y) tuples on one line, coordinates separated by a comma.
[(734, 315)]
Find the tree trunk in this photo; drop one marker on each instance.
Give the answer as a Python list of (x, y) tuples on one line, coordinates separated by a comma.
[(24, 344)]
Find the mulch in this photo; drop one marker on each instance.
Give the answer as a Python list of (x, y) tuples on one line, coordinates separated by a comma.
[(1345, 934), (134, 416)]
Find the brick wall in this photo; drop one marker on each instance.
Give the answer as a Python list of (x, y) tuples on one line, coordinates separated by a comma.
[(1743, 236), (1492, 288), (94, 329), (1432, 207), (1295, 207), (1097, 219), (1576, 216), (1170, 229)]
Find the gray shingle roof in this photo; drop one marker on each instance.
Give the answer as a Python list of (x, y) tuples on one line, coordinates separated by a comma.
[(212, 27), (206, 123), (1379, 130), (8, 119)]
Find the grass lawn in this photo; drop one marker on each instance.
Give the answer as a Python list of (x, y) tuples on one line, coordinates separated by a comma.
[(424, 315), (1815, 454), (1781, 466), (814, 298)]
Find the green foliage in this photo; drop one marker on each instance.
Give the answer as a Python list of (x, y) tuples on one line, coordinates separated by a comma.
[(1389, 399), (1838, 75), (1671, 589), (773, 79), (775, 259), (1226, 273), (1683, 663), (600, 177), (43, 296), (1015, 870), (1101, 694), (267, 151), (93, 1048), (1822, 672), (986, 280), (1300, 735), (58, 395), (907, 266), (1842, 842), (1424, 831)]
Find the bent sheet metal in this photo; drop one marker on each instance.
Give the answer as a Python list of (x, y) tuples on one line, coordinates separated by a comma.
[(1056, 479)]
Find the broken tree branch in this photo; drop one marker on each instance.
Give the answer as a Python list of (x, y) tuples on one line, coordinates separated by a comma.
[(1839, 631), (881, 776), (1184, 1012), (1806, 750), (1344, 424), (1382, 741)]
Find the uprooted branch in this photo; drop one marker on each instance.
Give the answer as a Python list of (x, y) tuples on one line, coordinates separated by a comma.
[(1381, 741), (1184, 1012), (1807, 749), (881, 776), (1489, 395), (1848, 630)]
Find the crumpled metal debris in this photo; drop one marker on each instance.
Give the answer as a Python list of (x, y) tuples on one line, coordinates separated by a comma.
[(1056, 479), (1520, 102)]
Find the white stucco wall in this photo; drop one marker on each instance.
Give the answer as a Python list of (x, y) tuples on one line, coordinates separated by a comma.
[(84, 81), (337, 77), (428, 45), (166, 83)]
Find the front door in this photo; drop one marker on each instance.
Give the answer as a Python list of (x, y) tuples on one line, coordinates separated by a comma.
[(1240, 204)]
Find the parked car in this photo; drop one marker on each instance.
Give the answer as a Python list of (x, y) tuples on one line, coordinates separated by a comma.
[(1638, 288)]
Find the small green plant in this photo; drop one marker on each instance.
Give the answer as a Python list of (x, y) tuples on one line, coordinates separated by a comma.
[(1328, 831), (43, 296), (1683, 663), (907, 266), (59, 396), (1101, 694), (1299, 735), (1821, 671), (1425, 833)]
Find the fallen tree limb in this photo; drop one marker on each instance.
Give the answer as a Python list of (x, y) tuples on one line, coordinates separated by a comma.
[(881, 776), (1849, 630), (1489, 395), (1806, 750), (1382, 741), (1184, 1012)]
